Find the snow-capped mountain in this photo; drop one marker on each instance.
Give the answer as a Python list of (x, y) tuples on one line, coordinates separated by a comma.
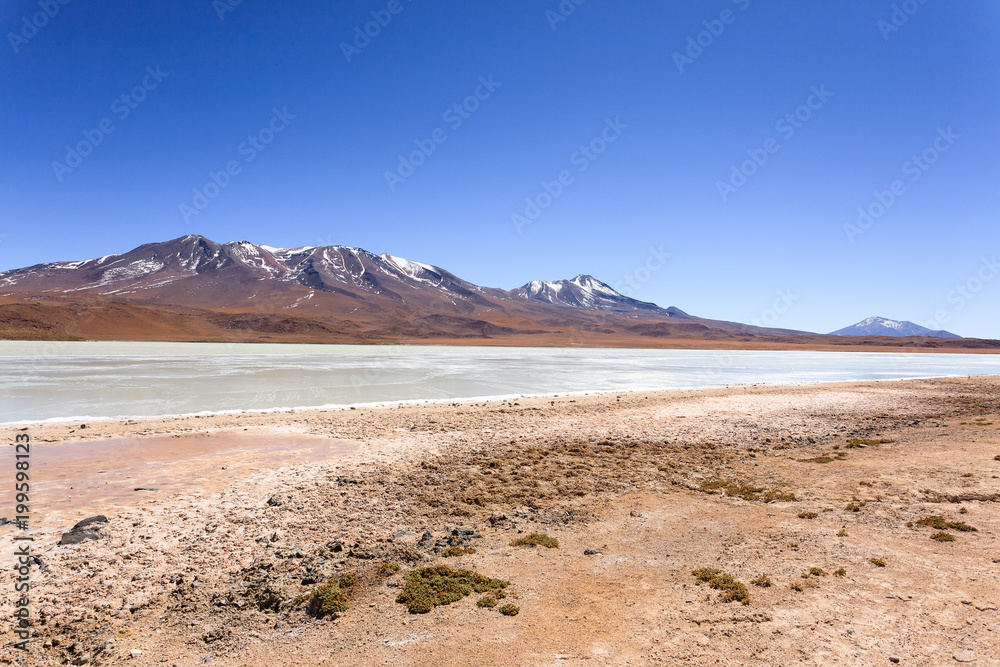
[(195, 271), (881, 326), (192, 288), (587, 292)]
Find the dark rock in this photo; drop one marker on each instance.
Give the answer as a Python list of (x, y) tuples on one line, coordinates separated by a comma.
[(275, 501), (591, 552), (336, 546), (81, 531), (4, 521), (144, 488), (100, 518), (361, 554), (77, 536)]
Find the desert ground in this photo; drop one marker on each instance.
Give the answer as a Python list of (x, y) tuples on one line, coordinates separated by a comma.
[(819, 502)]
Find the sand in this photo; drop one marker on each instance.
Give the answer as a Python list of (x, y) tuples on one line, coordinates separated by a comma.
[(252, 512)]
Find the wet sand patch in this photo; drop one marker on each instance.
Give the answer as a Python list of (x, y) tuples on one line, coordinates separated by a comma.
[(95, 475)]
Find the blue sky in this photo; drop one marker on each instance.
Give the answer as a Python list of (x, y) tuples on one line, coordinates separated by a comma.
[(642, 109)]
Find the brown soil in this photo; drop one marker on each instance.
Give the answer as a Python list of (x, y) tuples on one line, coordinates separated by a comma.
[(658, 484), (57, 318)]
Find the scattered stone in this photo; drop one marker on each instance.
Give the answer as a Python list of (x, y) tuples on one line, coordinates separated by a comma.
[(100, 518), (965, 655), (591, 552), (135, 653), (275, 501), (81, 532)]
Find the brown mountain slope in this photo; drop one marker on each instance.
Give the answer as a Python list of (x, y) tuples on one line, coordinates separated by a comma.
[(192, 288)]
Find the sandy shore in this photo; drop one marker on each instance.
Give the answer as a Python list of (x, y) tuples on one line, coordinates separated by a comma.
[(252, 512)]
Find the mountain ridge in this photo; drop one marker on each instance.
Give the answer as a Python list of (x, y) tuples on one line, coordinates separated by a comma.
[(883, 326), (192, 288)]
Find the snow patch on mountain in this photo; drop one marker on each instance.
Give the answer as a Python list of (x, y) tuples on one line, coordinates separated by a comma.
[(883, 326)]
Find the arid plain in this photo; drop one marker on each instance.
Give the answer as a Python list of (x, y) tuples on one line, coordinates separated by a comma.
[(819, 502)]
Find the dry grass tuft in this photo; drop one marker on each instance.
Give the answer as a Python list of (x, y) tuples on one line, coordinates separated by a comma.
[(748, 491), (732, 590), (938, 522), (536, 540), (855, 505), (510, 609), (452, 552)]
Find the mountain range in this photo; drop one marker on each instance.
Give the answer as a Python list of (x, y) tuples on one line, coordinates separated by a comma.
[(881, 326), (192, 288)]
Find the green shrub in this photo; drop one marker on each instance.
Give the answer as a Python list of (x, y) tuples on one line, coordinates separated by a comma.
[(327, 600), (429, 587)]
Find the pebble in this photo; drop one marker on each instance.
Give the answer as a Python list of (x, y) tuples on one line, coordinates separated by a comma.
[(965, 656)]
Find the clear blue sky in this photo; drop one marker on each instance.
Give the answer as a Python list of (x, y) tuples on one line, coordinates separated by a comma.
[(678, 125)]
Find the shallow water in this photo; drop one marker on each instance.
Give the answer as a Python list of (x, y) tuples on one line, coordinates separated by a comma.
[(88, 380)]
